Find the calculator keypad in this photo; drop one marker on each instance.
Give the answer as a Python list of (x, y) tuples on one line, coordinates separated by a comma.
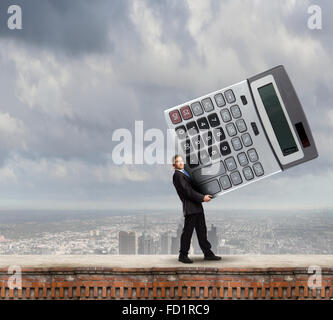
[(215, 139)]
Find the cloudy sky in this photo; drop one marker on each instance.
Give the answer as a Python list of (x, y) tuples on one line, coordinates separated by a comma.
[(79, 70)]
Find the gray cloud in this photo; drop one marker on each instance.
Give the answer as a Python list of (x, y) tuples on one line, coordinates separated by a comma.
[(73, 26), (81, 69)]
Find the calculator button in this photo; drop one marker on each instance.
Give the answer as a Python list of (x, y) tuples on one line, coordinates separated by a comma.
[(175, 116), (225, 148), (192, 128), (203, 123), (186, 146), (258, 169), (207, 104), (236, 143), (211, 187), (192, 160), (247, 141), (230, 163), (225, 114), (225, 182), (204, 157), (181, 132), (208, 138), (252, 153), (219, 99), (231, 129), (248, 174), (214, 152), (241, 126), (218, 134), (242, 159), (236, 113), (196, 108), (208, 172), (197, 142), (229, 95), (213, 120), (186, 112), (236, 178)]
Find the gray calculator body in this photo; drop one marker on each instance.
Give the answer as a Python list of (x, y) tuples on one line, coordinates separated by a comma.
[(240, 134)]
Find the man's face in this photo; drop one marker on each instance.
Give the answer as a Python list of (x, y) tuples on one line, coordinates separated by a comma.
[(179, 163)]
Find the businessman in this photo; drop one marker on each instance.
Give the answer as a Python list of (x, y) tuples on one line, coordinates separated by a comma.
[(193, 213)]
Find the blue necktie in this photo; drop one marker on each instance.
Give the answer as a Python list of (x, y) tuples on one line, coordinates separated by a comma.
[(186, 173)]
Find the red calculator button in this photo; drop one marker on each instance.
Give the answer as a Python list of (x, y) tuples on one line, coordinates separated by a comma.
[(175, 116), (186, 112)]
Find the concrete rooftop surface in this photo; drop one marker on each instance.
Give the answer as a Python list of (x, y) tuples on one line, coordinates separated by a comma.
[(166, 261)]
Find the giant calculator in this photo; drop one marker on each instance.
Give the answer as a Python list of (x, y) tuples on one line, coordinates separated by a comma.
[(237, 135)]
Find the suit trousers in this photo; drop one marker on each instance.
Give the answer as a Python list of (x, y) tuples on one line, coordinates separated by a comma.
[(197, 221)]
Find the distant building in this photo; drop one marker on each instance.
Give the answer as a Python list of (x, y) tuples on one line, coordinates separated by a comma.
[(127, 242), (212, 238), (175, 241), (165, 243), (147, 245), (175, 245)]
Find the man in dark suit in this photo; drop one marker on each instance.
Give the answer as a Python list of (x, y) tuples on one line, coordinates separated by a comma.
[(193, 213)]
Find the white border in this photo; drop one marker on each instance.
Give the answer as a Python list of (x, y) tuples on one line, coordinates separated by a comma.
[(267, 124)]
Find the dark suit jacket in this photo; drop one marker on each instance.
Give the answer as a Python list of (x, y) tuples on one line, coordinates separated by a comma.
[(190, 197)]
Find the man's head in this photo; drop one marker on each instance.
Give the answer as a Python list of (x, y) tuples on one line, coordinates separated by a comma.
[(178, 162)]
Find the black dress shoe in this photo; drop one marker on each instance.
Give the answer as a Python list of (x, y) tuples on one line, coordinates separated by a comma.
[(184, 259), (212, 257)]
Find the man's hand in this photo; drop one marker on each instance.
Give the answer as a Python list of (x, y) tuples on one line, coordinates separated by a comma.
[(207, 197)]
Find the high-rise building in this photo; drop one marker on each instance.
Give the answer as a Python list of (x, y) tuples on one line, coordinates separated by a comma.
[(212, 238), (175, 244), (127, 242), (147, 245), (165, 243), (175, 241)]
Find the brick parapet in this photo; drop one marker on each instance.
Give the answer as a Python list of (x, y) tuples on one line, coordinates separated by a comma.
[(87, 282)]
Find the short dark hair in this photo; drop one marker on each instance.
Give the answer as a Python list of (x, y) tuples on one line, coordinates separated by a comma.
[(174, 158)]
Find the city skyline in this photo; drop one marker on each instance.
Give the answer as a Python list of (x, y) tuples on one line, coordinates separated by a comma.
[(159, 233)]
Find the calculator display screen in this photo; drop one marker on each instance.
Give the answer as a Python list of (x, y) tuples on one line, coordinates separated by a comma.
[(277, 118)]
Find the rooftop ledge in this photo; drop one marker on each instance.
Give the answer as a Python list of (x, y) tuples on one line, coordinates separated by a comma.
[(163, 277), (153, 262)]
